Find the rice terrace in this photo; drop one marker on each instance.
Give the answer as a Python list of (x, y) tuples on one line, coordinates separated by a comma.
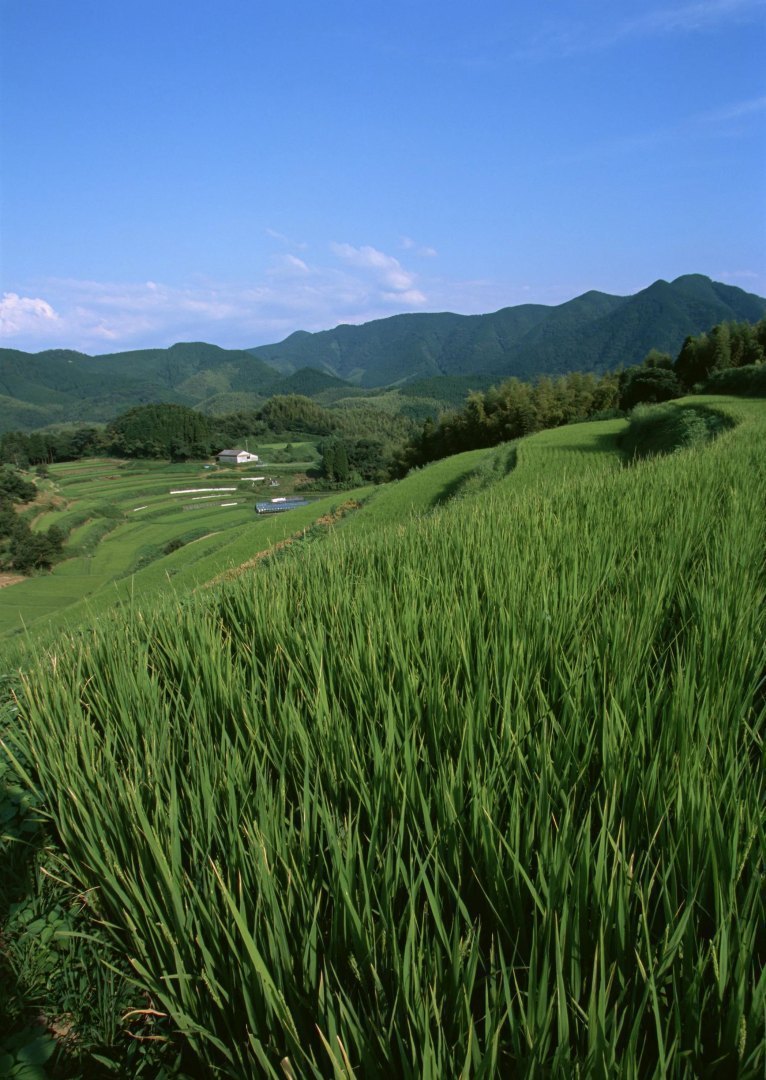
[(456, 775), (383, 541)]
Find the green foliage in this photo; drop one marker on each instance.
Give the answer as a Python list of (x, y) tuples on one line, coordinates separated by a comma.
[(662, 429), (21, 549), (647, 384), (42, 448), (451, 389), (335, 466), (367, 458), (748, 381), (14, 488), (295, 413), (308, 382), (480, 796), (594, 332), (28, 551), (370, 434), (509, 411), (60, 385), (707, 358), (167, 431), (60, 973), (513, 408), (728, 345)]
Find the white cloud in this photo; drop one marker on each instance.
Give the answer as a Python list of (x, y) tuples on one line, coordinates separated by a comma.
[(96, 316), (411, 297), (724, 122), (25, 314), (388, 271), (355, 286), (690, 17), (749, 280)]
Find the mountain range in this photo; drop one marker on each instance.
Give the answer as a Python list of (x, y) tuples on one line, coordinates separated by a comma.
[(593, 332)]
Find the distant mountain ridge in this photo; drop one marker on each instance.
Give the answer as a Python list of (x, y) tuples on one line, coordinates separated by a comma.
[(59, 385), (593, 332)]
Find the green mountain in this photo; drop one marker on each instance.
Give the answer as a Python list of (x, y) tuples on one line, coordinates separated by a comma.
[(594, 332), (434, 357), (59, 385)]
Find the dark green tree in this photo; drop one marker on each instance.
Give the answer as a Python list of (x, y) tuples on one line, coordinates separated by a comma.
[(328, 459), (342, 470), (160, 431), (641, 385)]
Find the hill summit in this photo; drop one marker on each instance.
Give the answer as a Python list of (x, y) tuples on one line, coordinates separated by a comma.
[(593, 332)]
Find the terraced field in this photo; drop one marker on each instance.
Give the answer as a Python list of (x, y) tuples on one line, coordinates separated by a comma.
[(123, 515), (121, 518), (473, 786)]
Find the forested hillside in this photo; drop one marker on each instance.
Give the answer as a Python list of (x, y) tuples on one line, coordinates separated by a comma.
[(592, 333)]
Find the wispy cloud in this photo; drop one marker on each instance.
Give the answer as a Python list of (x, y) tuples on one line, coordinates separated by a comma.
[(734, 111), (749, 278), (289, 264), (352, 284), (563, 37), (287, 241), (727, 121), (701, 15), (423, 250)]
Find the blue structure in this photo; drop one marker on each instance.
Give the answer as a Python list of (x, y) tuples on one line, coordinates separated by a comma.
[(279, 506)]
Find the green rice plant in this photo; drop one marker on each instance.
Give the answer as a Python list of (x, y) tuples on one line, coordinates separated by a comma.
[(476, 795)]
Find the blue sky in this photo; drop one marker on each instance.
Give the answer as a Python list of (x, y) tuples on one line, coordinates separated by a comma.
[(178, 170)]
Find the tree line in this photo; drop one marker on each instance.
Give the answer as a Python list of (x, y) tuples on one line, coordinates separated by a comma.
[(369, 443), (514, 408), (21, 549), (179, 433)]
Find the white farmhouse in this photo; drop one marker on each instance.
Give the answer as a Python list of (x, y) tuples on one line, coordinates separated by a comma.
[(236, 457)]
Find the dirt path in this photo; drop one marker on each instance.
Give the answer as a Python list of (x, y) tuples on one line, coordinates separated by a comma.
[(10, 579)]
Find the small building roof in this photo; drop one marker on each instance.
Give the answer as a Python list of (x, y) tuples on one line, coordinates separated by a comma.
[(244, 454)]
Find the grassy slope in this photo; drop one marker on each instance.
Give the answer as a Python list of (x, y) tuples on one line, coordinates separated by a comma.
[(85, 586), (502, 769), (101, 501), (111, 571), (100, 495)]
